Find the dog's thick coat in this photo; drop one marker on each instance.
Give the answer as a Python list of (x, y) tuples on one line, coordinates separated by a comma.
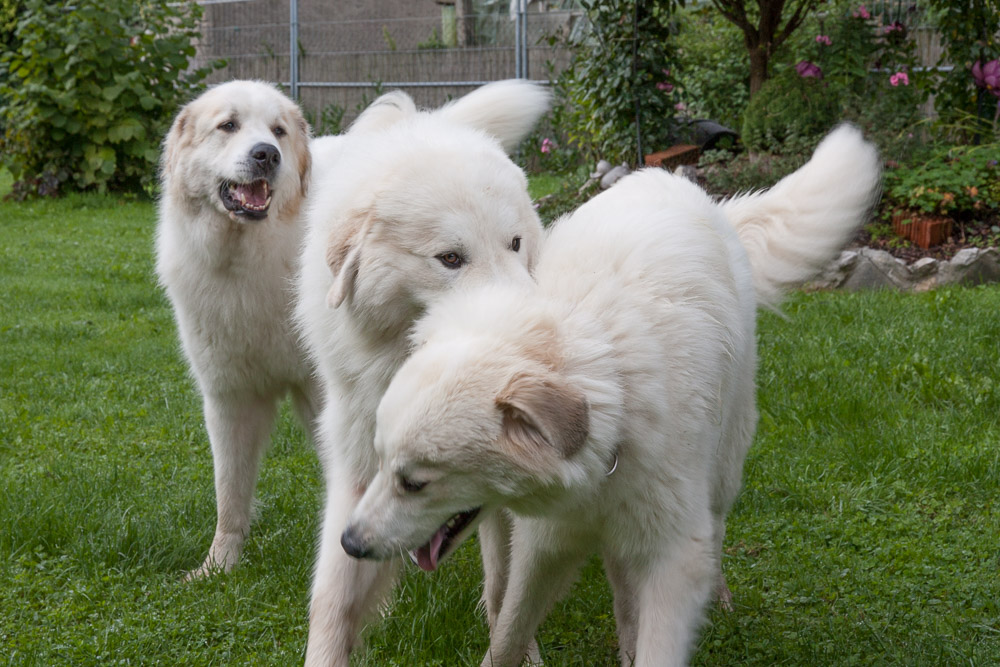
[(234, 175), (407, 205), (611, 406)]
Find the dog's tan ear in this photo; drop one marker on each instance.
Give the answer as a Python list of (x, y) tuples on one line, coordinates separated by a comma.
[(177, 138), (343, 255), (305, 157), (544, 412)]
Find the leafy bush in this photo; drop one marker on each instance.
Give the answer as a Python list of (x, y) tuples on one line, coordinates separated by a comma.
[(613, 77), (788, 108), (968, 31), (725, 174), (92, 90), (960, 181), (711, 71)]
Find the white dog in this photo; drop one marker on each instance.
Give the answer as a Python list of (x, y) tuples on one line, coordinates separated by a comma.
[(234, 175), (409, 205), (610, 407)]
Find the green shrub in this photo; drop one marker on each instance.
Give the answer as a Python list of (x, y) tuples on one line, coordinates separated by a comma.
[(788, 108), (712, 68), (92, 90), (969, 30), (613, 77), (960, 181)]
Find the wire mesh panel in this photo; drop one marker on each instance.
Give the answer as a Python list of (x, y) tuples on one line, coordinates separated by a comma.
[(350, 51)]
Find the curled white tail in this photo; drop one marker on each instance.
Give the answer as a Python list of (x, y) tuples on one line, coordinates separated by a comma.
[(794, 229), (506, 110)]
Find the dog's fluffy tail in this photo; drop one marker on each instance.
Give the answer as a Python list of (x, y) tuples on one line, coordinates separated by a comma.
[(794, 229), (507, 110)]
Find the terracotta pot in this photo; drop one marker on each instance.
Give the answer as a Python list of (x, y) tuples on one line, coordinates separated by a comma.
[(924, 229)]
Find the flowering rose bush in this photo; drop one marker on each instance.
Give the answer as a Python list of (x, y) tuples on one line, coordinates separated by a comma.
[(987, 76)]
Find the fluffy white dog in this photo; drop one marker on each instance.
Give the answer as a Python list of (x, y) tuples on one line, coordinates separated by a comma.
[(406, 205), (234, 175), (611, 406)]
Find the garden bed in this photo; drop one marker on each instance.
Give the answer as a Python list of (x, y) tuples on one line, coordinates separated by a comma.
[(975, 234)]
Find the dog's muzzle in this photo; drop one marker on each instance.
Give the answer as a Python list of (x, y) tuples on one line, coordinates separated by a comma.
[(252, 199)]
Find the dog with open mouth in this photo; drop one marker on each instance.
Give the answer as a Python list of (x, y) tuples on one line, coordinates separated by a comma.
[(234, 174), (609, 406)]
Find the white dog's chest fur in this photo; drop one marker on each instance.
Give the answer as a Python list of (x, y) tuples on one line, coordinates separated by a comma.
[(234, 308)]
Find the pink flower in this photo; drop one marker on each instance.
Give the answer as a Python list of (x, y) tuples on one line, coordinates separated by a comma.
[(680, 106), (665, 86), (666, 73), (808, 70), (823, 39), (862, 12), (893, 27), (899, 78), (546, 145), (987, 76)]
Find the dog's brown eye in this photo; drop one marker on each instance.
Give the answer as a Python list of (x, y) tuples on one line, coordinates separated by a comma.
[(279, 131), (410, 486), (515, 245), (228, 126), (452, 260)]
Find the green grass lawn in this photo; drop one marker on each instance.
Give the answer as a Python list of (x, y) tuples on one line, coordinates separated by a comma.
[(868, 531)]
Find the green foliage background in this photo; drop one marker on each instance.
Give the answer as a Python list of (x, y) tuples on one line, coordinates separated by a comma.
[(91, 89)]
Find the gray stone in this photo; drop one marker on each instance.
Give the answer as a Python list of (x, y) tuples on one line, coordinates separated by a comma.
[(972, 266), (614, 176), (877, 269), (924, 267)]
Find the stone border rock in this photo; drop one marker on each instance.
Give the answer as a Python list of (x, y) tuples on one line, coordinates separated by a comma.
[(867, 268)]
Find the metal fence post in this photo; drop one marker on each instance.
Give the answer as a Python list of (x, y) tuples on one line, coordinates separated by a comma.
[(293, 49), (521, 40)]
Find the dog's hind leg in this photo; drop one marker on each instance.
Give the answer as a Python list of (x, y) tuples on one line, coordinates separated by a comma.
[(494, 543), (539, 574), (673, 592), (306, 401), (239, 427)]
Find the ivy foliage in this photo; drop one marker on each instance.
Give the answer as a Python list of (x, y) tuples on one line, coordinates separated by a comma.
[(91, 90), (620, 73)]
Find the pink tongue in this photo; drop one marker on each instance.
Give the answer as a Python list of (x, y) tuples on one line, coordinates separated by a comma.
[(255, 193), (427, 555)]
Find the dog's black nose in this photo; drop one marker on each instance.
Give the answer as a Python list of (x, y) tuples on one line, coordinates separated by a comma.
[(266, 156), (353, 544)]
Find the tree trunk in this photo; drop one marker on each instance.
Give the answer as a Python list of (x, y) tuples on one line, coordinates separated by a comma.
[(758, 68)]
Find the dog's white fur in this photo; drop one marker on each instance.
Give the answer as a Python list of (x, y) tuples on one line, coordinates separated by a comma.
[(634, 353), (399, 194), (230, 281)]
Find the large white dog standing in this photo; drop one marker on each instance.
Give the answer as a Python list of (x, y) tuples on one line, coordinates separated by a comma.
[(611, 406), (406, 205), (234, 175)]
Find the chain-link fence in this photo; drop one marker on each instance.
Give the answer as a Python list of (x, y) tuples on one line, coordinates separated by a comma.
[(335, 57)]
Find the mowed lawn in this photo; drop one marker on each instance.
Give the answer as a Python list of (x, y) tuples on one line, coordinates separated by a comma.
[(868, 531)]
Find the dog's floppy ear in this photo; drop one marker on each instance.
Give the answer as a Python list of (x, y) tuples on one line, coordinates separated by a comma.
[(177, 138), (544, 412), (303, 135), (343, 255)]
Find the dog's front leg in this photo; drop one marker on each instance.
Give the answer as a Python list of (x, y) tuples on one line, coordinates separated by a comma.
[(626, 605), (539, 573), (672, 594), (239, 426), (494, 543), (345, 590)]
